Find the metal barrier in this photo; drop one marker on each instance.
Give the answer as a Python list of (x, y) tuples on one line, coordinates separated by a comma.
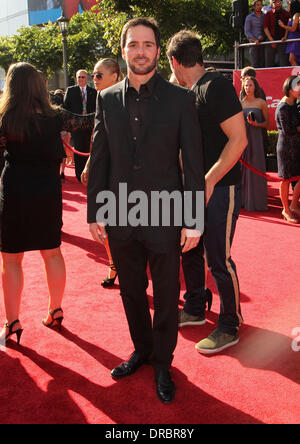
[(238, 46)]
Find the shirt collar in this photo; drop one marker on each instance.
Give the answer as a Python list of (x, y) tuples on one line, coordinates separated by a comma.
[(146, 88)]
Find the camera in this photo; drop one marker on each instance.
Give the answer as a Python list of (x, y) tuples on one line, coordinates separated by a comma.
[(251, 116)]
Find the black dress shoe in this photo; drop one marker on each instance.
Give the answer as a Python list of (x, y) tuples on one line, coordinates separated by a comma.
[(129, 367), (165, 387)]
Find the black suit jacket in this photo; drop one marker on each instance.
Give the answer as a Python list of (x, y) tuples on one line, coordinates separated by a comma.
[(298, 108), (73, 100), (171, 124)]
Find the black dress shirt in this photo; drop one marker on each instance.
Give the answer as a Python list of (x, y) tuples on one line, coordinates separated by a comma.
[(137, 104)]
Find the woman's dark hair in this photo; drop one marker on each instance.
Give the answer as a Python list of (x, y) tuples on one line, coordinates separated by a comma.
[(256, 85), (186, 47), (294, 8), (288, 85), (25, 98), (149, 22)]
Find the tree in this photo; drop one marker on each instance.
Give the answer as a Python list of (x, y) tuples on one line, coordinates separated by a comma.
[(6, 52), (86, 43), (210, 18), (42, 46), (39, 46)]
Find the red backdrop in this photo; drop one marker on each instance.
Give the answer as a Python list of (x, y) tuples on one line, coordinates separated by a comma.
[(271, 81)]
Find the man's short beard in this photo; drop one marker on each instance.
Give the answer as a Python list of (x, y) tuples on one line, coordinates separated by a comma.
[(143, 70)]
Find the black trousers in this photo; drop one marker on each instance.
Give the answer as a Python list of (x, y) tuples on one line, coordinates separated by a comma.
[(222, 215), (131, 258), (82, 142)]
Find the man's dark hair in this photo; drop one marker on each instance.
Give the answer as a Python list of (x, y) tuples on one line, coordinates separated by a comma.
[(149, 22), (186, 48), (254, 2), (248, 71)]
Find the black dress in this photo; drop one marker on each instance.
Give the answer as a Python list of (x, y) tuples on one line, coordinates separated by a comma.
[(288, 145), (30, 192)]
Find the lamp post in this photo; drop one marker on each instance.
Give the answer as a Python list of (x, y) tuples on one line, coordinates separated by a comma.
[(63, 23)]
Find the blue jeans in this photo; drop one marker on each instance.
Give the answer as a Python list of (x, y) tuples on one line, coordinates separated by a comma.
[(221, 217)]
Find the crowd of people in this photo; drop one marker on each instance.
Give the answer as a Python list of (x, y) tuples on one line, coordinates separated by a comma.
[(152, 135), (273, 23)]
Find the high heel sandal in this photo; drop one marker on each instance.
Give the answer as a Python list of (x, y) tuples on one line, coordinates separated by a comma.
[(18, 332), (109, 282), (54, 321), (209, 298), (290, 219)]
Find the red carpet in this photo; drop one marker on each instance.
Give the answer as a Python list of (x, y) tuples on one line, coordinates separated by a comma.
[(65, 378)]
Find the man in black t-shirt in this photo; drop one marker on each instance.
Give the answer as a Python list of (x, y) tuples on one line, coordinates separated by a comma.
[(224, 139)]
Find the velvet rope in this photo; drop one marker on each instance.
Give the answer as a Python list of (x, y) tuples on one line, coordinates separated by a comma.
[(267, 176), (251, 168), (75, 151)]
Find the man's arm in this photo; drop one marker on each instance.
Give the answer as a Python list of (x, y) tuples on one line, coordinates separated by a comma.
[(98, 174), (248, 29), (193, 169), (235, 130), (266, 26)]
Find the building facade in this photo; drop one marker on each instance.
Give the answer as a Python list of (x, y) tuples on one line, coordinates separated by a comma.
[(17, 13), (13, 15)]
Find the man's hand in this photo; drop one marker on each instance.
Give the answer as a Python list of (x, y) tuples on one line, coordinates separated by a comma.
[(209, 188), (189, 239), (98, 232), (84, 176)]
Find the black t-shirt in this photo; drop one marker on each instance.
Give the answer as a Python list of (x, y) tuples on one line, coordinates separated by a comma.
[(216, 101)]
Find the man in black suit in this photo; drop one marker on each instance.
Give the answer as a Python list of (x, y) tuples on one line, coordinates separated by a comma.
[(81, 99), (141, 125)]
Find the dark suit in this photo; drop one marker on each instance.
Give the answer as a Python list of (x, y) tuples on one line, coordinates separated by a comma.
[(152, 164), (81, 138), (298, 109)]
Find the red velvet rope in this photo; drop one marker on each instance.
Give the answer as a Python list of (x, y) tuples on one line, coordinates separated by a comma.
[(75, 151), (251, 168), (267, 176)]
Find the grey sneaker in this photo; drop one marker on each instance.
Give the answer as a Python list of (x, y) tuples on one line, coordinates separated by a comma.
[(216, 342), (187, 319)]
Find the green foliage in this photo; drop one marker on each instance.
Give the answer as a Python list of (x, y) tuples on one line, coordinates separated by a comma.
[(42, 46), (272, 142), (210, 18), (39, 46), (85, 42), (94, 35)]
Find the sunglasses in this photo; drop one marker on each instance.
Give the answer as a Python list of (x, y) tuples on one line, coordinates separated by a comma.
[(98, 76), (81, 77)]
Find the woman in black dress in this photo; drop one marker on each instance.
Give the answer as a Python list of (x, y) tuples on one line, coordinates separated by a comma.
[(288, 147), (30, 192)]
